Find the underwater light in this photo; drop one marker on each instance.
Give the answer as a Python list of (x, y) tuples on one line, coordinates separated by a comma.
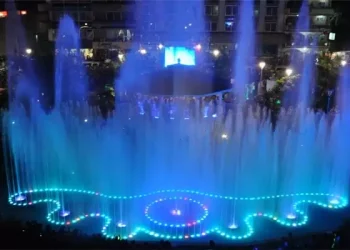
[(121, 224), (233, 235), (20, 198), (334, 201), (176, 212), (291, 216), (64, 213), (233, 226)]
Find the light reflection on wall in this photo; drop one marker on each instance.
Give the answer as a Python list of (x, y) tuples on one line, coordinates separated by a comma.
[(174, 55)]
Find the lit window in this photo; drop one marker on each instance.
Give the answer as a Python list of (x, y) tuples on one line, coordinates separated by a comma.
[(3, 14)]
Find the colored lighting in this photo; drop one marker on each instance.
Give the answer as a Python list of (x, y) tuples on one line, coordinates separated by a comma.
[(64, 213), (3, 14), (334, 201), (233, 226), (20, 198), (179, 55), (176, 212), (300, 220), (121, 224), (291, 216)]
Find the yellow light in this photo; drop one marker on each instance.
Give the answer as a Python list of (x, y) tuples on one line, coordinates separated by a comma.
[(3, 14), (262, 65)]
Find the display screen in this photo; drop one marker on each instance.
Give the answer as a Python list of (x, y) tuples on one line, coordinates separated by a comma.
[(179, 55)]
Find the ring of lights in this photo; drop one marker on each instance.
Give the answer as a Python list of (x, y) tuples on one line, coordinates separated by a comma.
[(301, 217), (187, 224)]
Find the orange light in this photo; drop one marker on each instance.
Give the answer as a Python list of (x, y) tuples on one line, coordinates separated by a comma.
[(23, 12), (3, 14)]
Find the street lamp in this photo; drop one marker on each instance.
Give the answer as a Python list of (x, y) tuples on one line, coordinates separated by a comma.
[(216, 52), (289, 72), (343, 63), (121, 57), (29, 51), (160, 46), (261, 66)]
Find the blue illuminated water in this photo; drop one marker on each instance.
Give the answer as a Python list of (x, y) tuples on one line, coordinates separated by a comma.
[(219, 168), (245, 40)]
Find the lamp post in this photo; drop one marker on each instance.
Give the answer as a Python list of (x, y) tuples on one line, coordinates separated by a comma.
[(343, 63), (216, 52), (261, 66), (29, 51), (289, 71)]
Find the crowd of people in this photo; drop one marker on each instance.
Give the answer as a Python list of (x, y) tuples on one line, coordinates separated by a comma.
[(30, 235)]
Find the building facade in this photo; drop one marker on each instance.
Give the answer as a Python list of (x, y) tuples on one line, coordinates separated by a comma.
[(107, 25)]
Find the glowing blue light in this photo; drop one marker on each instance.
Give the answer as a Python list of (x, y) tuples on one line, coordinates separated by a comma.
[(233, 226), (299, 217), (176, 212), (291, 216), (64, 213), (20, 198), (121, 224), (182, 55), (334, 201)]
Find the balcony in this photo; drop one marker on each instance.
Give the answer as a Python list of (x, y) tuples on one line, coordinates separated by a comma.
[(291, 12), (318, 11)]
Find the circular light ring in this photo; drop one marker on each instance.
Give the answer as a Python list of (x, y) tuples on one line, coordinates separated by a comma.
[(187, 191), (187, 224), (248, 221)]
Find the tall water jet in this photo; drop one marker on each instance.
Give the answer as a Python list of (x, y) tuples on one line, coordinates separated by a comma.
[(70, 76), (183, 25), (245, 49)]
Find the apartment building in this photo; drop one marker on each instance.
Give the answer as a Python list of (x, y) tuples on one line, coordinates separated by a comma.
[(111, 24), (26, 37)]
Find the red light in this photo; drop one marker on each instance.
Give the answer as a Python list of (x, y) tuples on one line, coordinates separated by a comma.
[(3, 14)]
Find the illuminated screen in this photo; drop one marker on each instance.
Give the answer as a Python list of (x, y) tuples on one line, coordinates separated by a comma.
[(174, 55)]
